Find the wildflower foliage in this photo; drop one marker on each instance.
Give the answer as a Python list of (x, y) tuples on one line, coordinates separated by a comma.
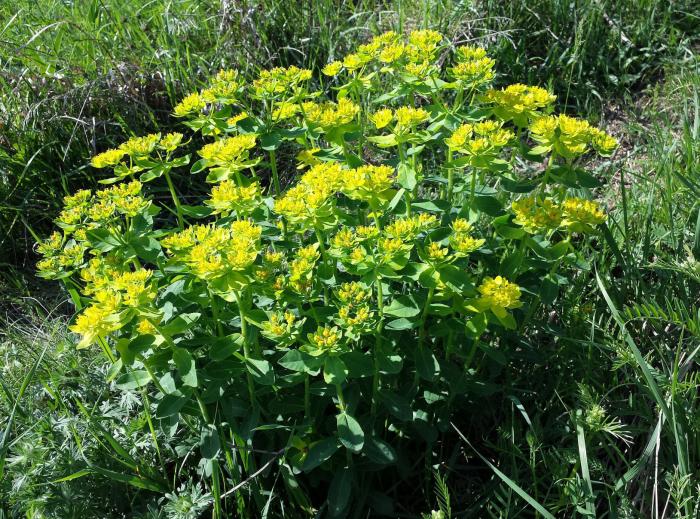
[(344, 320)]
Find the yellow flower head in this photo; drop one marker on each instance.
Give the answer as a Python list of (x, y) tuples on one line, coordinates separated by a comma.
[(227, 197), (333, 68), (437, 253), (192, 104), (367, 182), (228, 151), (285, 110), (354, 294), (326, 339), (391, 53), (582, 215), (459, 137), (537, 215), (425, 41), (499, 295), (107, 158), (519, 103), (233, 121), (98, 320), (474, 73), (408, 117), (171, 141), (470, 53), (382, 118), (140, 146)]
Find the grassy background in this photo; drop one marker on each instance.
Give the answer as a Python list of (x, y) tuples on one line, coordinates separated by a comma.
[(616, 392)]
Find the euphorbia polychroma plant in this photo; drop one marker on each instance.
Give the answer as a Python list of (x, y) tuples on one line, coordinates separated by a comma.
[(335, 325)]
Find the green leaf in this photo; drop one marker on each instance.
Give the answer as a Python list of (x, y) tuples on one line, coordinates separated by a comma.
[(334, 371), (359, 364), (261, 370), (379, 451), (340, 491), (402, 324), (426, 363), (185, 366), (389, 363), (296, 360), (406, 176), (403, 306), (397, 405), (488, 204), (171, 404), (270, 141), (133, 380), (319, 452), (350, 432), (209, 444)]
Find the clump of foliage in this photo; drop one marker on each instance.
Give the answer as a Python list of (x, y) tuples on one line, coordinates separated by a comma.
[(328, 331)]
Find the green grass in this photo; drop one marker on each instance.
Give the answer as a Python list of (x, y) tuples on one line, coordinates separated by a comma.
[(596, 415)]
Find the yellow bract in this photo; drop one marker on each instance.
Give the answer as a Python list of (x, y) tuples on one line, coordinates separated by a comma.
[(537, 215), (229, 150), (582, 215), (499, 295), (227, 197)]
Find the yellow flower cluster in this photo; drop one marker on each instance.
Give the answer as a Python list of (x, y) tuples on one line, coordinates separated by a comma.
[(408, 117), (227, 197), (391, 54), (499, 295), (408, 228), (325, 340), (519, 103), (125, 199), (111, 297), (213, 251), (136, 148), (367, 183), (192, 104), (302, 267), (569, 136), (98, 320), (303, 204), (330, 115), (461, 240), (229, 151), (582, 215), (224, 88), (279, 81), (282, 327), (354, 312), (106, 159), (536, 214), (482, 140), (473, 68)]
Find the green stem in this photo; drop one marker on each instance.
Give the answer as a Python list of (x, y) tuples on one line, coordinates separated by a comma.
[(307, 397), (341, 398), (176, 200), (377, 345), (450, 176), (215, 314), (275, 176), (246, 348), (472, 189)]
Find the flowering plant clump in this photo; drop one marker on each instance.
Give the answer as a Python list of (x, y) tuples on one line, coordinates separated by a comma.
[(334, 326)]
